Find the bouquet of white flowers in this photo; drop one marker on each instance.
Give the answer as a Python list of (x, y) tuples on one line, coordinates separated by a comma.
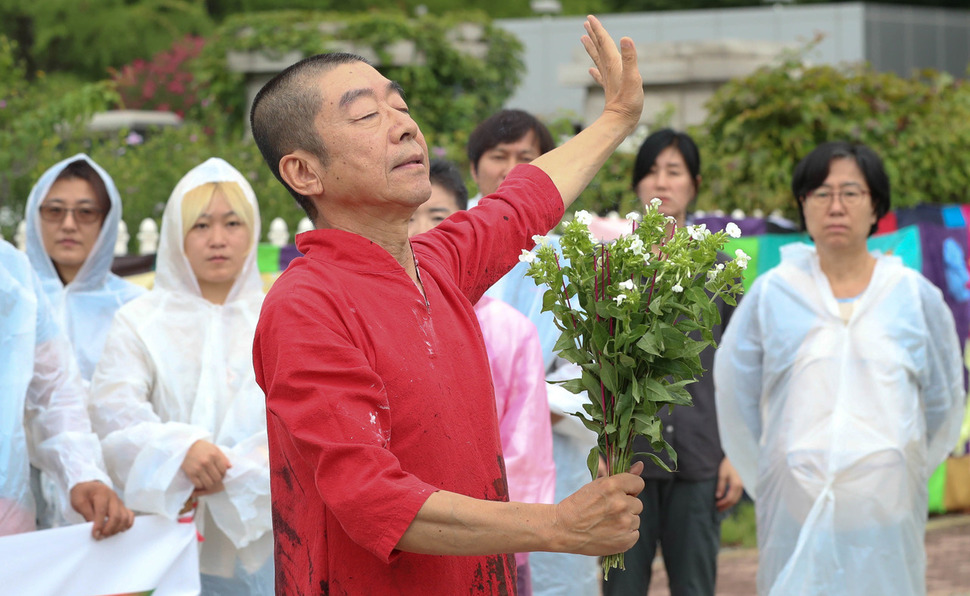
[(625, 310)]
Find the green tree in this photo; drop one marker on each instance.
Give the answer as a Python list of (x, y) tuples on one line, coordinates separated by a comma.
[(447, 89), (759, 126), (87, 37), (660, 5)]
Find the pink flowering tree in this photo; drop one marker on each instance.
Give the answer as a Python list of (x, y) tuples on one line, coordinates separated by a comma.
[(163, 83)]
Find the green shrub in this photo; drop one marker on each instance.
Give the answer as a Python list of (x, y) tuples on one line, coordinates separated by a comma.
[(448, 93), (761, 125), (739, 528)]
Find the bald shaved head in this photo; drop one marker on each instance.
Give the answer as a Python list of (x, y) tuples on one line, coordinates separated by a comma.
[(284, 114)]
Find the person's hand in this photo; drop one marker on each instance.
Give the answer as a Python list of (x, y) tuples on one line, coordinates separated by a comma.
[(205, 465), (99, 504), (603, 517), (729, 486), (216, 488), (616, 71)]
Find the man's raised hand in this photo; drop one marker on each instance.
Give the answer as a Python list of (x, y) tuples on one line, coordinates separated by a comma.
[(616, 71)]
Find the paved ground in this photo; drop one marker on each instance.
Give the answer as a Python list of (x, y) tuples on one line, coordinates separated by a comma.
[(947, 553)]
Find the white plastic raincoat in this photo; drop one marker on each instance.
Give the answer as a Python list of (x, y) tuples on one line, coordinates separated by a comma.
[(43, 419), (175, 369), (836, 427), (83, 308)]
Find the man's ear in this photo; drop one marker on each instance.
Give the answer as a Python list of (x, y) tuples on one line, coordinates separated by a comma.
[(473, 168), (302, 172)]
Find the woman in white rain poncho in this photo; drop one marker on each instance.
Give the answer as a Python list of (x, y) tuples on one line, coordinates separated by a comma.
[(42, 413), (839, 390), (72, 225), (72, 219), (174, 397)]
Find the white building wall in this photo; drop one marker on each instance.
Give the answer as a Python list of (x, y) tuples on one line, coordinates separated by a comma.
[(551, 43)]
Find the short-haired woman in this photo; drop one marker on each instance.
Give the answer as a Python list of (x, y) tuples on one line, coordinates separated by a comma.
[(839, 390)]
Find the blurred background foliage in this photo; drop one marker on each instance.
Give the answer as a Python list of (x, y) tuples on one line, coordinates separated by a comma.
[(44, 120), (759, 126), (62, 61)]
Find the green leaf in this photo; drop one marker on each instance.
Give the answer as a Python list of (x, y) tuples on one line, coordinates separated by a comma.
[(549, 299), (572, 385), (656, 460), (650, 344), (593, 462)]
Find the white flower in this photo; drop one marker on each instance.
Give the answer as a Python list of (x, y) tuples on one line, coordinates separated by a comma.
[(593, 238), (698, 232), (541, 240), (527, 256), (633, 216), (715, 271), (636, 246), (646, 258), (619, 299), (742, 259), (627, 285), (732, 230), (584, 217), (656, 203), (677, 288), (671, 219)]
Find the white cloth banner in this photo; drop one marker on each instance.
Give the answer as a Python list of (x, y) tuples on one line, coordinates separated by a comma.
[(157, 557)]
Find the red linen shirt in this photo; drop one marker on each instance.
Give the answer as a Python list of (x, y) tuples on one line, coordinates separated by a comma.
[(377, 398)]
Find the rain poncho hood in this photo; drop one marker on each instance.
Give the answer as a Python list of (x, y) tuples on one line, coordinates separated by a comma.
[(176, 369), (835, 427), (83, 308), (42, 410)]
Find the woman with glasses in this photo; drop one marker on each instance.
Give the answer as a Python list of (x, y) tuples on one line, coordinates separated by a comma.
[(839, 390), (174, 397), (72, 224), (72, 216)]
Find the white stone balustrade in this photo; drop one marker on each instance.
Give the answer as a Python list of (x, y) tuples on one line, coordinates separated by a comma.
[(279, 232)]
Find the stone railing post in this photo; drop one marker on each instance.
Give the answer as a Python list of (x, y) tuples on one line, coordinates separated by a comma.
[(147, 237), (279, 233)]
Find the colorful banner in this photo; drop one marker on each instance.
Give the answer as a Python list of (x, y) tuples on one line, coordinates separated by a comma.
[(156, 557)]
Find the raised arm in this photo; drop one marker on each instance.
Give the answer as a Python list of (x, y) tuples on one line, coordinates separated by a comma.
[(573, 165)]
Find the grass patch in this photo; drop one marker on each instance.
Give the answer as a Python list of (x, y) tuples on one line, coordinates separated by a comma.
[(739, 528)]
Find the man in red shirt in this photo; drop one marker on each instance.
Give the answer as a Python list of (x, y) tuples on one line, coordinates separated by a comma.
[(387, 471)]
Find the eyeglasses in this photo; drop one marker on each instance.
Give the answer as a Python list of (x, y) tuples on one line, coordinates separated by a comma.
[(84, 215), (823, 196)]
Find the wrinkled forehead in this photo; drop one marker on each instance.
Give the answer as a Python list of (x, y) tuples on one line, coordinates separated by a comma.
[(346, 83)]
